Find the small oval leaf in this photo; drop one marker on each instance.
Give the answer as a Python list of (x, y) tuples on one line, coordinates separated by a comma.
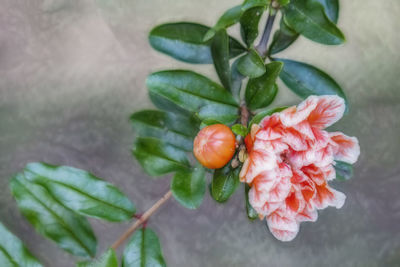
[(143, 250), (251, 212), (239, 129), (251, 64), (224, 183), (230, 17), (344, 171), (188, 187), (108, 259), (283, 38), (220, 55), (249, 24)]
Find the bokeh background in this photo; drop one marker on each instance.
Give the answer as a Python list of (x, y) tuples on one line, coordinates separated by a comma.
[(72, 71)]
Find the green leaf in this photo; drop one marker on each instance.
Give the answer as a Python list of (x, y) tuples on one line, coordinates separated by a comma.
[(194, 93), (208, 122), (331, 8), (108, 259), (308, 18), (305, 80), (143, 250), (13, 252), (224, 183), (70, 231), (171, 127), (81, 191), (344, 171), (236, 80), (251, 212), (188, 187), (230, 17), (283, 38), (248, 4), (159, 158), (249, 24), (220, 54), (262, 114), (239, 129), (251, 64), (184, 41), (261, 91)]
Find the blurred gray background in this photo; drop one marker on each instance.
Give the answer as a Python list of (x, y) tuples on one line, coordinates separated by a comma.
[(72, 71)]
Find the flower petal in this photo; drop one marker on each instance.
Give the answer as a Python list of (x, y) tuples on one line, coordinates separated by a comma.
[(282, 227), (292, 116), (326, 196), (346, 148), (329, 109)]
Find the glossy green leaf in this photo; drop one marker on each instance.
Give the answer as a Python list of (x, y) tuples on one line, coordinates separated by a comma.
[(283, 38), (108, 259), (230, 17), (195, 93), (81, 191), (208, 122), (13, 252), (220, 55), (248, 4), (262, 114), (249, 24), (224, 183), (171, 127), (344, 171), (261, 91), (159, 158), (251, 212), (239, 129), (331, 8), (69, 230), (305, 80), (184, 41), (236, 80), (251, 64), (308, 18), (188, 187), (143, 250), (283, 2)]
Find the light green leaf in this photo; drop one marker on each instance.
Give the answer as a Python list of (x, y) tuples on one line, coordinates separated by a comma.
[(305, 80), (194, 93), (251, 64), (331, 8), (108, 259), (344, 171), (13, 252), (224, 183), (249, 24), (251, 212), (283, 38), (261, 91), (158, 158), (283, 2), (188, 187), (239, 129), (230, 17), (262, 114), (308, 18), (184, 41), (173, 128), (220, 54), (248, 4), (81, 191), (143, 250), (70, 231)]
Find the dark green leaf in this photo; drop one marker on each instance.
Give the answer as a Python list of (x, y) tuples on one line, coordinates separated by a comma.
[(188, 187), (70, 231), (239, 129), (108, 259), (143, 250), (344, 171), (306, 80), (308, 18), (249, 24), (262, 114), (251, 64), (208, 122), (248, 4), (220, 54), (157, 157), (236, 80), (224, 183), (171, 127), (331, 8), (251, 213), (283, 2), (230, 17), (283, 38), (81, 191), (261, 91), (194, 93), (13, 253), (184, 41)]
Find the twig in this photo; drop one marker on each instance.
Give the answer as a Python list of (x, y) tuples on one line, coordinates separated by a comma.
[(262, 46), (142, 220)]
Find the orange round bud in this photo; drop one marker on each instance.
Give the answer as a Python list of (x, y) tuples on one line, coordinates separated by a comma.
[(214, 146)]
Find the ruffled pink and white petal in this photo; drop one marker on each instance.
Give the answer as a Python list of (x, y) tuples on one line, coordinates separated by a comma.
[(294, 115), (329, 109), (283, 228), (345, 148), (327, 196)]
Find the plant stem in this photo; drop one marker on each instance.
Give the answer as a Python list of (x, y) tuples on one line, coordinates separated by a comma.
[(262, 48), (141, 220)]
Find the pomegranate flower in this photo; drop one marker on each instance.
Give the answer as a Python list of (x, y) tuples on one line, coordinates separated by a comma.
[(290, 160)]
